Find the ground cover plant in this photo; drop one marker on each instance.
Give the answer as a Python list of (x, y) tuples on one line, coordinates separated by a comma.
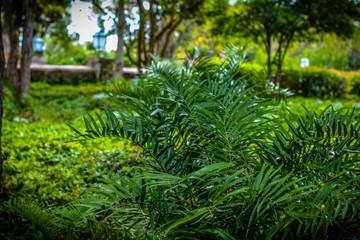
[(40, 163), (298, 104)]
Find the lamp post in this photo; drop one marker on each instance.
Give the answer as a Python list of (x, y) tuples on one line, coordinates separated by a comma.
[(38, 44), (99, 41), (304, 62)]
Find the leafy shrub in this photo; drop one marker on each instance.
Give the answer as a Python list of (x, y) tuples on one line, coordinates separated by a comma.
[(314, 82), (331, 52), (354, 82), (221, 165), (320, 82)]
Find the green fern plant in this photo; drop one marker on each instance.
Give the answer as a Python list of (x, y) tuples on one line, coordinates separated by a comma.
[(220, 165), (323, 150), (32, 219)]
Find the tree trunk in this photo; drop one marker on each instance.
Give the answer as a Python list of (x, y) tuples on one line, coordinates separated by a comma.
[(278, 73), (279, 61), (153, 28), (10, 18), (139, 42), (141, 47), (120, 26), (279, 66), (169, 35), (282, 54), (268, 39), (25, 71), (176, 44), (2, 66)]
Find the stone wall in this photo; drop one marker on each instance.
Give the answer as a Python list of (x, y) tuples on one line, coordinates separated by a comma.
[(103, 67), (65, 74), (98, 70)]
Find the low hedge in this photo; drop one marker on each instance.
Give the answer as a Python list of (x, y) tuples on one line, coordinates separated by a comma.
[(307, 82), (63, 76), (320, 82), (354, 82), (311, 81)]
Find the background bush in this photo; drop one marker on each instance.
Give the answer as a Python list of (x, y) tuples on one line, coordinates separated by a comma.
[(320, 82)]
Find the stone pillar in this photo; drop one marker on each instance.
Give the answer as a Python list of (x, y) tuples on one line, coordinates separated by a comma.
[(103, 67)]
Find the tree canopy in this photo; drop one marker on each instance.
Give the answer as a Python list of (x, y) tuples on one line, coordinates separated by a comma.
[(276, 24)]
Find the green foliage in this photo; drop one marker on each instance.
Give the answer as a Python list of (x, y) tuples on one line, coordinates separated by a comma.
[(32, 221), (353, 80), (72, 55), (54, 102), (320, 82), (223, 165), (314, 82), (322, 152), (61, 42), (277, 24), (38, 161), (220, 163), (330, 52), (297, 104), (39, 164), (354, 52), (50, 16)]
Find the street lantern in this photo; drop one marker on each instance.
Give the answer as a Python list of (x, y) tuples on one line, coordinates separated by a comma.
[(99, 41), (38, 44), (304, 62)]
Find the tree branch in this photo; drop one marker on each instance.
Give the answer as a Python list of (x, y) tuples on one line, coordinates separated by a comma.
[(168, 35), (128, 48), (97, 5), (153, 27), (172, 21)]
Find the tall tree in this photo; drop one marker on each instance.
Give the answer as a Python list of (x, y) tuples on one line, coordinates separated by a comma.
[(23, 14), (13, 16), (49, 13), (150, 26), (277, 23), (157, 25), (2, 67), (26, 50), (16, 10)]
